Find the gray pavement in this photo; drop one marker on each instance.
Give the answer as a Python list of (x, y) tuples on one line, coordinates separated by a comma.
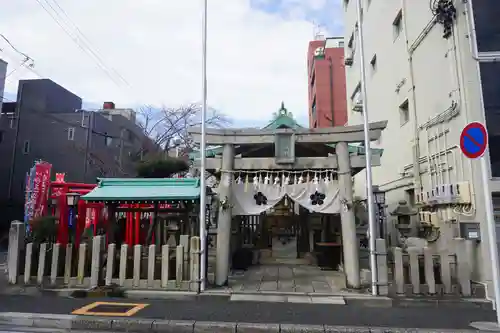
[(287, 278), (208, 309)]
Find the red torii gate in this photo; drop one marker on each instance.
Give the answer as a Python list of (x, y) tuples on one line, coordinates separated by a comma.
[(59, 190)]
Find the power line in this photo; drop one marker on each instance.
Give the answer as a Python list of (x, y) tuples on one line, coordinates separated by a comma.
[(83, 48), (28, 61), (87, 41), (14, 70), (13, 47)]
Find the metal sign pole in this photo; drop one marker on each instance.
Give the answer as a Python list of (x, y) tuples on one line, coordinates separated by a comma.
[(492, 234), (203, 192), (368, 154), (474, 144)]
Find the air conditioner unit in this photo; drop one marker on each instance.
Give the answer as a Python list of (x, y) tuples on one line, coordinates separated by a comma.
[(349, 60), (463, 192), (357, 105)]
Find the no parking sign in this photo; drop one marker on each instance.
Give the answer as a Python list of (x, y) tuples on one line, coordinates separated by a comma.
[(474, 140)]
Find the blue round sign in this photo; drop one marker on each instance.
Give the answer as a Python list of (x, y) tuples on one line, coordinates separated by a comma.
[(474, 140)]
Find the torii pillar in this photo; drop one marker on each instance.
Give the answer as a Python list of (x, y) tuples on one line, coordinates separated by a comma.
[(350, 244)]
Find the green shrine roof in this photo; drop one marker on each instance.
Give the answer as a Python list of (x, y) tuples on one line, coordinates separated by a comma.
[(144, 189), (282, 119)]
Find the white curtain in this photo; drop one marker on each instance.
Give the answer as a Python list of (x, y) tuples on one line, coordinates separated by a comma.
[(250, 199)]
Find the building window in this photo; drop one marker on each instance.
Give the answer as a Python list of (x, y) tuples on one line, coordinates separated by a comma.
[(313, 109), (373, 62), (404, 112), (496, 207), (71, 133), (490, 81), (26, 147), (397, 24), (357, 99), (352, 43), (356, 94), (487, 25)]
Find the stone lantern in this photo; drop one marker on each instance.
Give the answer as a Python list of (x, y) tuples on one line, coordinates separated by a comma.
[(403, 212)]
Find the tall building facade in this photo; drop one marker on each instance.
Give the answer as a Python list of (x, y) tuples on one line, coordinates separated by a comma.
[(47, 123), (430, 70), (3, 75), (326, 73)]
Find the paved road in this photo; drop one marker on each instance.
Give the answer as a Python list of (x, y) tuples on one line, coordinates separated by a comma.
[(216, 309), (17, 329), (8, 329)]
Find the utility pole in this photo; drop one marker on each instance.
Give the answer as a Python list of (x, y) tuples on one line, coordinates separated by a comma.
[(331, 91), (368, 154), (88, 143), (17, 117)]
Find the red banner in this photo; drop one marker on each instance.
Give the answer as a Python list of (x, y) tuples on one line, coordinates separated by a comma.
[(41, 185)]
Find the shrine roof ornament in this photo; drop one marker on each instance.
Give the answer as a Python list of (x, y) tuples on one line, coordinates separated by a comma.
[(283, 119)]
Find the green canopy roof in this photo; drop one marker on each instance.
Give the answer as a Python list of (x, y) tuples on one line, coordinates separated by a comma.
[(282, 119), (144, 189)]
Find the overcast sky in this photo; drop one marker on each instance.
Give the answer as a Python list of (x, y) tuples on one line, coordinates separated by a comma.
[(149, 51)]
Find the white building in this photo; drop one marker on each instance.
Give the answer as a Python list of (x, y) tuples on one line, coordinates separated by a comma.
[(3, 75), (428, 87)]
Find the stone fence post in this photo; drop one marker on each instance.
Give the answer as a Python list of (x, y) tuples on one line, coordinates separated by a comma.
[(382, 269), (17, 233)]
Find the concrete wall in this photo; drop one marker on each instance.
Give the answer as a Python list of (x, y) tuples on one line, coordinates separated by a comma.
[(444, 72), (45, 95)]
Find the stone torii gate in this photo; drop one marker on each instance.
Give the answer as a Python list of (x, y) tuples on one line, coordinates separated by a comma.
[(285, 145)]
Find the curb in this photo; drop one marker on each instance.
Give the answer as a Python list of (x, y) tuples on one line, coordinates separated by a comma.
[(362, 300), (448, 303), (73, 322)]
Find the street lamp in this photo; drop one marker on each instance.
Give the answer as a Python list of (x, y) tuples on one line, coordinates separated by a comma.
[(379, 200), (72, 199), (378, 195), (72, 202)]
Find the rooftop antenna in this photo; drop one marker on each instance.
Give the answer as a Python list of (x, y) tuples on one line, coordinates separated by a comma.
[(318, 31)]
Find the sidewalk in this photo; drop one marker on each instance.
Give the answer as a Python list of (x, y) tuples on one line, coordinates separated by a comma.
[(152, 315)]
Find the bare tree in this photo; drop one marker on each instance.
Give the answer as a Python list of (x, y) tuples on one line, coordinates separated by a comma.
[(168, 127)]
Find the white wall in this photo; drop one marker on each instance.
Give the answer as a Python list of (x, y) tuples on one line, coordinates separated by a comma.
[(3, 74), (444, 72)]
